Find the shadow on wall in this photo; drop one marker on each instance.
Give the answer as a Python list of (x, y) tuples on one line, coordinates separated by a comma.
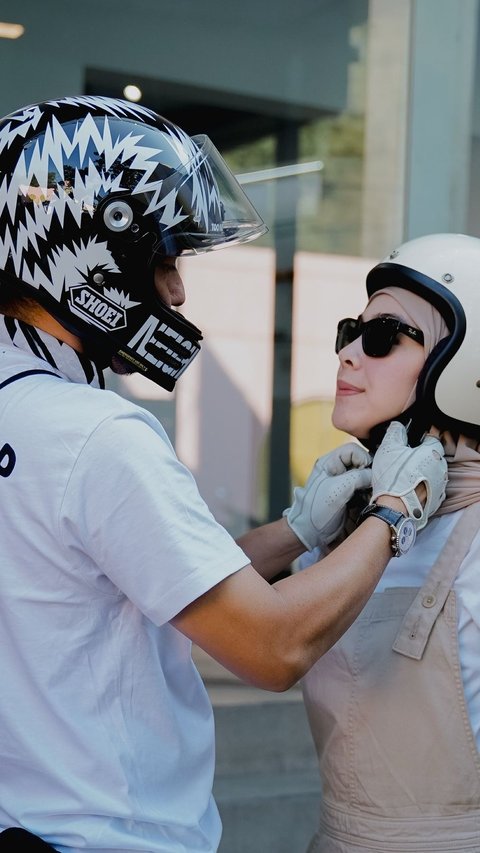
[(231, 437)]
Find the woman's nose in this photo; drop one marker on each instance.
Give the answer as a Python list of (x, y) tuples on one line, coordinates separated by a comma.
[(352, 353)]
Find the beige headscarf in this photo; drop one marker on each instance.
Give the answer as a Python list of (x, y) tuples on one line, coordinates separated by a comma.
[(462, 455)]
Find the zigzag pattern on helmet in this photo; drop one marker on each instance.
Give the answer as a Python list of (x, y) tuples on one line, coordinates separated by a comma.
[(56, 147), (93, 192), (111, 106), (69, 267), (191, 160)]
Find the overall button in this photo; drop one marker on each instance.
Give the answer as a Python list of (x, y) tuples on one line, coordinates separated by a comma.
[(429, 600)]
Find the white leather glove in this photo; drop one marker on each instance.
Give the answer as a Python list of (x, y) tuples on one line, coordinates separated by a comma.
[(317, 514), (398, 469)]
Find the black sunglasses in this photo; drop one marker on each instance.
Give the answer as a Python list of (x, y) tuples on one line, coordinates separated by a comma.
[(378, 335)]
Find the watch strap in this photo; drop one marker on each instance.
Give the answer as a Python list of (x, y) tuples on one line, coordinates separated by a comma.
[(390, 516)]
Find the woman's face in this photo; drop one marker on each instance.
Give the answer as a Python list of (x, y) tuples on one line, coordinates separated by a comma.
[(373, 390)]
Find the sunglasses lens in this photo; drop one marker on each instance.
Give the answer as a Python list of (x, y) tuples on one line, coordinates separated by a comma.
[(348, 330), (379, 336)]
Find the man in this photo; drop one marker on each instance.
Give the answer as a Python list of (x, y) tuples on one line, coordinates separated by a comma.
[(111, 563)]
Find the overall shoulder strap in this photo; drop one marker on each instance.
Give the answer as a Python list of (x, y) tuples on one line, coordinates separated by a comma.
[(430, 599)]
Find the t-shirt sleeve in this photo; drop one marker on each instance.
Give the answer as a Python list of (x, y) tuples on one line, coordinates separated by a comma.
[(136, 511)]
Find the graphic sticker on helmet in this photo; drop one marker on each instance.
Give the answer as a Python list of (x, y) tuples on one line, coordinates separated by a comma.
[(93, 189)]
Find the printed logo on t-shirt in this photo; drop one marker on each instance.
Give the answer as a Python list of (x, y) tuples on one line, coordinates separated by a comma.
[(7, 460)]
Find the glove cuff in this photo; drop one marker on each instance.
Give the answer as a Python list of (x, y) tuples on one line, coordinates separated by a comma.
[(413, 507), (294, 527)]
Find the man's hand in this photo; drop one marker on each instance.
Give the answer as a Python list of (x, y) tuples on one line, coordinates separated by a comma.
[(317, 514), (399, 470)]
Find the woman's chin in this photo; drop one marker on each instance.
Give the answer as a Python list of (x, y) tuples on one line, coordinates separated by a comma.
[(351, 428)]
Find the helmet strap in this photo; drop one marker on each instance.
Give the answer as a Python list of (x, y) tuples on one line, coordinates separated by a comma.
[(415, 419)]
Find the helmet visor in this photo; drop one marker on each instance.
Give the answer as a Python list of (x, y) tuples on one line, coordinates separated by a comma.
[(207, 207)]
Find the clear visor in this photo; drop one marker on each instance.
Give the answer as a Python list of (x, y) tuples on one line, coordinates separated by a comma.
[(208, 207)]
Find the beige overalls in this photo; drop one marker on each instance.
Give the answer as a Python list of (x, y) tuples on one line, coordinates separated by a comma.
[(398, 760)]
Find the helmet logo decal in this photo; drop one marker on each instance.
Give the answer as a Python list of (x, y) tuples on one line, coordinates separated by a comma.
[(97, 308), (93, 190), (106, 309)]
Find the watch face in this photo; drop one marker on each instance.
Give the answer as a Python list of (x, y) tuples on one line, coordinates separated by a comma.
[(406, 534)]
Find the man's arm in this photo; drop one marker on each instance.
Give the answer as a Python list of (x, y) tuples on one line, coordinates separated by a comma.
[(317, 514), (270, 636), (271, 548)]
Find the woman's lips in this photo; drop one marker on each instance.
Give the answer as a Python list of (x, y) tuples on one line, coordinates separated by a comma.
[(344, 389)]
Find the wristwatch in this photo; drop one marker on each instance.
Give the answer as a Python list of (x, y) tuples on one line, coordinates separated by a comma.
[(402, 528)]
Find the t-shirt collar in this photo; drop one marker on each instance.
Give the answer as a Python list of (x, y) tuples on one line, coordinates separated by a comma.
[(59, 355)]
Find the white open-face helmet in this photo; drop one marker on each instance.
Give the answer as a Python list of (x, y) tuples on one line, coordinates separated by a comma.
[(444, 269), (93, 193)]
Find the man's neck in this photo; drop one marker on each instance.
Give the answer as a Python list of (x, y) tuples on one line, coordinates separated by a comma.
[(41, 319)]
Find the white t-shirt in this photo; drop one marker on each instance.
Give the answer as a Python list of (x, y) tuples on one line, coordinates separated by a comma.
[(106, 730), (412, 569)]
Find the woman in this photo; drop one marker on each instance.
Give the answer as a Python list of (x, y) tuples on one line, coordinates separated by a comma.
[(394, 706)]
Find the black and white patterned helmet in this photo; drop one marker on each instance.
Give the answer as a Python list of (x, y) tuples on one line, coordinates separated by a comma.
[(92, 191)]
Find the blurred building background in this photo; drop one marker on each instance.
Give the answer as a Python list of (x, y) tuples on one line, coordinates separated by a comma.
[(353, 125)]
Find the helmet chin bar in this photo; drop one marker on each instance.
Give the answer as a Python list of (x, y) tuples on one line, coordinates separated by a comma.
[(87, 254), (162, 347)]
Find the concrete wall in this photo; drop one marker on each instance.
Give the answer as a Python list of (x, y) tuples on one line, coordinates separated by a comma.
[(295, 53)]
